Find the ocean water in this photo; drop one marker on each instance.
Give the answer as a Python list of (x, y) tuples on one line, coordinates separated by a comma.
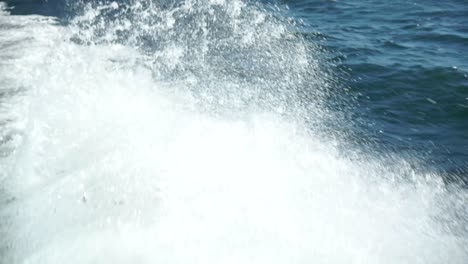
[(407, 66), (217, 131)]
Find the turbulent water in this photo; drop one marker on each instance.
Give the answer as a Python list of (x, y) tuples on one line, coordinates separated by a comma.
[(198, 131), (407, 65)]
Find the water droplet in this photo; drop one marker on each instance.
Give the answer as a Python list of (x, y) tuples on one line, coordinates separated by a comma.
[(114, 5)]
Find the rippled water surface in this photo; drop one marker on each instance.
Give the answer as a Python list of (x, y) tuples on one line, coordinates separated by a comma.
[(233, 131), (407, 63)]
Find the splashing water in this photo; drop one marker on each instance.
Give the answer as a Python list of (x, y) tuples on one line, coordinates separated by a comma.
[(192, 132)]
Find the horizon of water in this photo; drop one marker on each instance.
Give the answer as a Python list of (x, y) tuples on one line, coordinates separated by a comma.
[(199, 132)]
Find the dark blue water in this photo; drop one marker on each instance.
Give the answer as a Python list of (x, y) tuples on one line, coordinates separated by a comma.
[(406, 64), (403, 68)]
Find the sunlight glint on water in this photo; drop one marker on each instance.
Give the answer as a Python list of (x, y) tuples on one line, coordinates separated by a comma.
[(175, 135)]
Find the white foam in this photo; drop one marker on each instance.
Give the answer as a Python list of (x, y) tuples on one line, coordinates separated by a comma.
[(114, 166), (3, 9)]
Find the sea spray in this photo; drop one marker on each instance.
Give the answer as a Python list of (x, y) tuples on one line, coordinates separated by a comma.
[(192, 132)]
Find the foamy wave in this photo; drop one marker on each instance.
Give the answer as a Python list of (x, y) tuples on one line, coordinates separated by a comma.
[(182, 138)]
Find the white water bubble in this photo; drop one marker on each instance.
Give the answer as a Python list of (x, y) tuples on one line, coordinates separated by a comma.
[(114, 5)]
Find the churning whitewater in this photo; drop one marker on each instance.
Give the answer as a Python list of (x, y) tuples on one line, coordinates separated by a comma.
[(196, 132)]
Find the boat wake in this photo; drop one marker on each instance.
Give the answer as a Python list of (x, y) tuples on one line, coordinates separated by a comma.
[(196, 132)]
